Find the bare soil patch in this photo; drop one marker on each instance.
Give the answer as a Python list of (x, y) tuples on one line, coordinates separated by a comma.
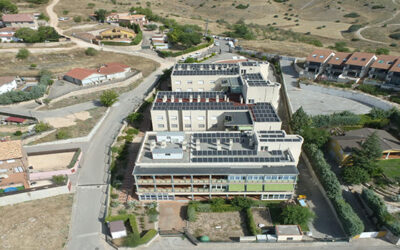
[(262, 216), (232, 225), (50, 162), (39, 224), (172, 215), (69, 120), (13, 128)]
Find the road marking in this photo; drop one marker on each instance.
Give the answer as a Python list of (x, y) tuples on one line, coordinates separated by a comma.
[(87, 235)]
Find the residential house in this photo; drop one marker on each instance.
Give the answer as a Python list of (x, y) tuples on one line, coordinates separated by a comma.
[(335, 65), (119, 34), (7, 83), (160, 42), (393, 78), (19, 21), (105, 73), (316, 62), (379, 70), (288, 233), (203, 165), (357, 66), (13, 165), (210, 111), (7, 35), (127, 18), (342, 146)]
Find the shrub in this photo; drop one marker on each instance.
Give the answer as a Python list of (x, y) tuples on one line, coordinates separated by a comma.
[(18, 133), (354, 28), (74, 158), (132, 131), (122, 211), (242, 6), (6, 6), (59, 179), (395, 36), (108, 98), (352, 15), (22, 53), (203, 207), (114, 203), (77, 19), (191, 212), (91, 52), (382, 51), (42, 34), (135, 118), (242, 202), (41, 127), (62, 134), (153, 214), (114, 196), (42, 16), (251, 225)]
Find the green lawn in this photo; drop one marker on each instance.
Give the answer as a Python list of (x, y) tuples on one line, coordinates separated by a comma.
[(391, 168)]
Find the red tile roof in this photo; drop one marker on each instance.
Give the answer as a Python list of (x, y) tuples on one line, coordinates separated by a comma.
[(360, 59), (384, 62), (6, 79), (396, 66), (319, 55), (107, 69), (339, 58), (79, 73), (9, 29), (15, 119), (11, 18)]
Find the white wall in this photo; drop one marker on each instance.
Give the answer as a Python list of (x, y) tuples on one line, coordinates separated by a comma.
[(8, 87)]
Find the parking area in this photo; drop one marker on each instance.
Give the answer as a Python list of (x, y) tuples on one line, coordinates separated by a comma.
[(172, 215)]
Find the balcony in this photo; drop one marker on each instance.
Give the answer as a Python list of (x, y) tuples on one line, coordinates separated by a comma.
[(145, 181), (219, 180)]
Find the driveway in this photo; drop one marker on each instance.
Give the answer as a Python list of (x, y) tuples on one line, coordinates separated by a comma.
[(315, 103)]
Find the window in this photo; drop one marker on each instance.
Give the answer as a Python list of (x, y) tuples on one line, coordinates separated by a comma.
[(174, 125), (202, 125), (274, 177), (188, 125), (201, 82), (174, 118), (10, 161), (177, 82), (160, 125), (201, 90), (251, 101), (268, 177), (160, 117), (186, 117), (189, 82), (200, 118), (189, 90)]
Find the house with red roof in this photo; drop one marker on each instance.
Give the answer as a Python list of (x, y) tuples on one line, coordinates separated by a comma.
[(393, 77), (105, 73), (357, 66), (316, 62), (7, 35), (24, 20), (379, 70), (335, 65)]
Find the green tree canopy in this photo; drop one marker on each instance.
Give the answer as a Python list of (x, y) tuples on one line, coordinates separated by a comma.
[(8, 7), (300, 120), (297, 215), (108, 98), (101, 15)]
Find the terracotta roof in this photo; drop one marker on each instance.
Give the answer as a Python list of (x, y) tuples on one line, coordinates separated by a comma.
[(10, 18), (396, 66), (107, 69), (360, 58), (9, 29), (384, 62), (319, 55), (79, 73), (6, 79), (15, 119), (339, 58), (10, 150)]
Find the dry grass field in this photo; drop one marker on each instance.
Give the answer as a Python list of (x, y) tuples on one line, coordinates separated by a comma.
[(25, 7), (40, 224), (323, 19), (61, 62)]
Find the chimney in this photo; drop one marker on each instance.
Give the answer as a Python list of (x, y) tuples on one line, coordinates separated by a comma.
[(217, 98), (172, 98), (230, 143), (180, 99), (218, 144), (197, 144), (191, 98), (164, 98), (198, 98)]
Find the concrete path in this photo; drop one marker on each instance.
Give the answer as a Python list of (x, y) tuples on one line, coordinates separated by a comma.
[(315, 103)]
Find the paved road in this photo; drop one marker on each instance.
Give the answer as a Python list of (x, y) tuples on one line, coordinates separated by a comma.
[(315, 103)]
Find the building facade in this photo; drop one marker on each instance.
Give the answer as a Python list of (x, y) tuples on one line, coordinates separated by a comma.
[(7, 83), (202, 165), (19, 21)]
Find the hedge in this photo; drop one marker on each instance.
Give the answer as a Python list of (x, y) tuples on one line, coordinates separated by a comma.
[(336, 119), (191, 212), (115, 43), (137, 39), (74, 158), (251, 225), (376, 204), (351, 222), (148, 236), (188, 50)]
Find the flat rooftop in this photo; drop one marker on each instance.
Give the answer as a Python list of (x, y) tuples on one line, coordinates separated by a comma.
[(205, 69), (215, 148)]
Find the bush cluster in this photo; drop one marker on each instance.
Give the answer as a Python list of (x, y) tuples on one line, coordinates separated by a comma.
[(251, 225), (344, 118), (42, 34), (189, 50), (74, 158)]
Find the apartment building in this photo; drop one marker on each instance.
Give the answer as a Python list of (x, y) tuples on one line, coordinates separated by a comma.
[(13, 165), (211, 110), (380, 71), (357, 66), (393, 78), (249, 78), (203, 165), (335, 66), (316, 62)]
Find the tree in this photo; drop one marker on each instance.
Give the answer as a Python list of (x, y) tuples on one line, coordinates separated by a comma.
[(355, 175), (101, 15), (108, 98), (42, 126), (47, 33), (300, 120), (62, 134), (382, 51), (91, 52), (8, 7), (22, 53), (135, 118), (42, 16), (242, 202), (316, 136), (297, 215), (372, 148), (59, 179)]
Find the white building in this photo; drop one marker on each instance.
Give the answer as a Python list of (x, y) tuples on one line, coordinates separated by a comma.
[(117, 229), (107, 72), (7, 35), (7, 83)]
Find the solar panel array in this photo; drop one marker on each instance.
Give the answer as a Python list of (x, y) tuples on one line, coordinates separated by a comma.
[(255, 79), (250, 63), (264, 112), (197, 106), (224, 152), (216, 135), (180, 94), (206, 72), (280, 140), (237, 159), (206, 69)]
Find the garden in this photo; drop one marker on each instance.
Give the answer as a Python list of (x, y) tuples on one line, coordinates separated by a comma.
[(227, 220)]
